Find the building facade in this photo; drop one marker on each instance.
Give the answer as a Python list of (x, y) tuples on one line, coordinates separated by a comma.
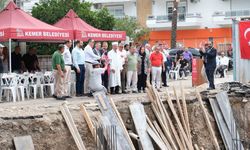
[(198, 20)]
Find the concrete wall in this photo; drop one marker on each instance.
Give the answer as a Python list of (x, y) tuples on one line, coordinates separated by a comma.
[(129, 7)]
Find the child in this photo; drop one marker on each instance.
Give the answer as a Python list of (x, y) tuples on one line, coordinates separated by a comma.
[(95, 80)]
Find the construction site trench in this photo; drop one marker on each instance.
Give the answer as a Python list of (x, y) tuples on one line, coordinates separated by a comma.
[(43, 121)]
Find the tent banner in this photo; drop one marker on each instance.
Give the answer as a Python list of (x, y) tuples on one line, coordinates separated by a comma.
[(103, 35), (36, 34), (244, 35)]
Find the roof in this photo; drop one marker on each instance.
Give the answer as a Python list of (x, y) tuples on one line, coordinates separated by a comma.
[(19, 25), (84, 31)]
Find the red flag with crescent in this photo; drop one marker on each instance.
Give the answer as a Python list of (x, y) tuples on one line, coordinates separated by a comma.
[(244, 29)]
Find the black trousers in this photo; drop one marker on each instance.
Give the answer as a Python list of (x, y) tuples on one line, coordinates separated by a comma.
[(105, 79), (142, 79), (210, 77), (221, 70), (164, 77), (114, 90), (80, 80)]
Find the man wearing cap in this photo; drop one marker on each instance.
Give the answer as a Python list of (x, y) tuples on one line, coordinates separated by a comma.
[(116, 68), (1, 58), (90, 58), (68, 64), (59, 69), (95, 78), (209, 55)]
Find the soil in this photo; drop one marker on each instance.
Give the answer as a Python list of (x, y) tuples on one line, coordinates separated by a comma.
[(43, 121)]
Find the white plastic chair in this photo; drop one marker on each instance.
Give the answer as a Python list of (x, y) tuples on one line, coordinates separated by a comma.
[(175, 72), (9, 83), (36, 83), (23, 85), (48, 81)]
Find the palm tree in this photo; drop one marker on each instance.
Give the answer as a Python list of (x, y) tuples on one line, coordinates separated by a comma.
[(174, 24)]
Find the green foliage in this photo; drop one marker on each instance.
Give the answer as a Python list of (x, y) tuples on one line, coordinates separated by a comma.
[(2, 4), (51, 11), (133, 29)]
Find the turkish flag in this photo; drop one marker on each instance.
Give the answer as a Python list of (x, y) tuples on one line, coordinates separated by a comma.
[(244, 29)]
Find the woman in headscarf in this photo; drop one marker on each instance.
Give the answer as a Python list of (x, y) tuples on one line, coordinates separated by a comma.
[(143, 69)]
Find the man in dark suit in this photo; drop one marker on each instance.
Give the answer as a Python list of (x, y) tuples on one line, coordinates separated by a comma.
[(209, 55)]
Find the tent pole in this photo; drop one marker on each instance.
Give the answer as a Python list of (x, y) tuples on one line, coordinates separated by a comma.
[(73, 42), (10, 56)]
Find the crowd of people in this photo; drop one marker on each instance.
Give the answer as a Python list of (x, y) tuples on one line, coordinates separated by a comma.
[(124, 68)]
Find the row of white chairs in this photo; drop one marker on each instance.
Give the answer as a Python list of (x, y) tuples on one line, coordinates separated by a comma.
[(26, 83)]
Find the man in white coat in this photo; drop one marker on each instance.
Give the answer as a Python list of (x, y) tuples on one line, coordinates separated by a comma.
[(115, 69)]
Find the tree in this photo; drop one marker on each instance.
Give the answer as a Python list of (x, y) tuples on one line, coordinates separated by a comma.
[(132, 28), (2, 4), (51, 11)]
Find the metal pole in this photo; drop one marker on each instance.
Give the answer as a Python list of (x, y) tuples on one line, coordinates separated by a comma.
[(234, 38), (10, 55)]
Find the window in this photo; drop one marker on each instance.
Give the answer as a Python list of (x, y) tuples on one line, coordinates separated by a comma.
[(116, 10), (182, 9), (19, 3)]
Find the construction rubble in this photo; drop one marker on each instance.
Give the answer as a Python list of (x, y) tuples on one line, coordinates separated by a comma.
[(169, 120)]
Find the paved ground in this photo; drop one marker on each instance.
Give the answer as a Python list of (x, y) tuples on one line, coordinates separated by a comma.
[(50, 105)]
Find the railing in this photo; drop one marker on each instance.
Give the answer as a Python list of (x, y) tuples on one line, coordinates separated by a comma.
[(168, 18), (233, 13)]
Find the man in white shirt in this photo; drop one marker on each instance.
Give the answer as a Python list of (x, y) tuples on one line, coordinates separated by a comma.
[(123, 56), (115, 69), (224, 61), (78, 62), (147, 49), (90, 58), (68, 63), (95, 82)]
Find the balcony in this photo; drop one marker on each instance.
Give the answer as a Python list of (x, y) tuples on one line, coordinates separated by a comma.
[(109, 1), (224, 18), (185, 21)]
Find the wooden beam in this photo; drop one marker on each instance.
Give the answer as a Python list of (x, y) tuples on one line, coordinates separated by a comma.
[(72, 127), (88, 120), (162, 136), (182, 132), (156, 139), (184, 103), (208, 123)]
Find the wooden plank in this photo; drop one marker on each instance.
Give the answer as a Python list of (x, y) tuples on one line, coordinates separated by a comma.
[(156, 139), (196, 147), (24, 143), (175, 134), (162, 136), (184, 103), (182, 132), (111, 114), (180, 110), (165, 131), (72, 127), (227, 113), (225, 134), (88, 120), (208, 123), (139, 119)]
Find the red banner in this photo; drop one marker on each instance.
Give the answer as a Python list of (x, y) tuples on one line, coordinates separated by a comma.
[(244, 29)]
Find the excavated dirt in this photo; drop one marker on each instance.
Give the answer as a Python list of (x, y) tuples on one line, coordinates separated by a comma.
[(44, 122)]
